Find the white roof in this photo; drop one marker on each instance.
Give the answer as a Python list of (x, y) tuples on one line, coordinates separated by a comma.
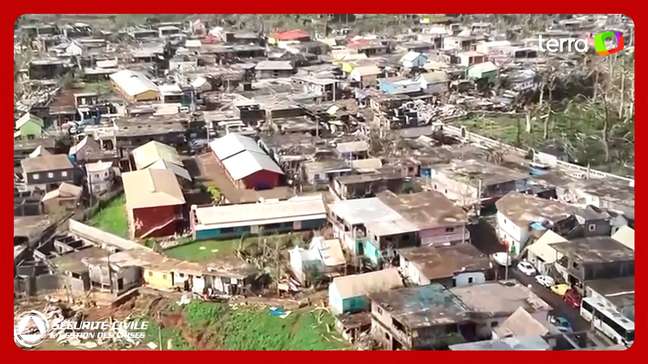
[(410, 56), (364, 284), (246, 163), (625, 236), (133, 83), (364, 210), (484, 67), (366, 70), (193, 43), (269, 212), (328, 251), (233, 143), (98, 166), (27, 117), (170, 89), (274, 65), (542, 247), (355, 146)]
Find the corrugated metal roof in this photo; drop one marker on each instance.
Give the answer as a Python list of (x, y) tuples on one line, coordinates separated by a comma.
[(154, 151), (363, 284), (133, 83), (231, 144), (246, 163), (151, 188), (294, 209)]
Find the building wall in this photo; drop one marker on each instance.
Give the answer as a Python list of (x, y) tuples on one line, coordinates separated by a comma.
[(262, 180), (154, 216), (442, 235), (339, 305), (31, 130), (56, 177), (157, 279), (511, 234)]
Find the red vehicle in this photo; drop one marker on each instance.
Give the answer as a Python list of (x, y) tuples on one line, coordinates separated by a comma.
[(572, 298)]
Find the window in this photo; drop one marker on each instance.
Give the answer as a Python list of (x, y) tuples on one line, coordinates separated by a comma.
[(35, 176), (591, 227), (150, 274), (50, 174), (449, 229), (470, 280), (435, 186), (379, 310), (494, 324), (164, 276), (64, 174)]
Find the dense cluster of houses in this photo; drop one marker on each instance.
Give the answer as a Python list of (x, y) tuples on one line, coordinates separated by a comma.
[(349, 137)]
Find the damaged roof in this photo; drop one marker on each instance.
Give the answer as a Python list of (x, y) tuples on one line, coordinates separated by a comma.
[(445, 261), (417, 307)]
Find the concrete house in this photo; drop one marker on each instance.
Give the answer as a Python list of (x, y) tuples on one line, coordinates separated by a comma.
[(492, 303), (433, 82), (366, 76), (350, 293), (470, 58), (274, 69), (484, 71), (154, 202), (28, 127), (519, 216), (592, 258), (100, 177), (418, 318), (47, 172), (453, 266)]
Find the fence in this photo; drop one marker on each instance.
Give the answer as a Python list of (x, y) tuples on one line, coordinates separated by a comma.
[(565, 166)]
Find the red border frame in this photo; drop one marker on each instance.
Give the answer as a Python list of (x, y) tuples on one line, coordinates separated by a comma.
[(15, 9)]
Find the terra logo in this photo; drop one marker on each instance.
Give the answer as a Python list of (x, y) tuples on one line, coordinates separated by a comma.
[(607, 43)]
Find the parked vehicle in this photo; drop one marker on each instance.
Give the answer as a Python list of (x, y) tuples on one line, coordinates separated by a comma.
[(527, 268), (545, 280), (561, 323), (572, 298), (560, 289)]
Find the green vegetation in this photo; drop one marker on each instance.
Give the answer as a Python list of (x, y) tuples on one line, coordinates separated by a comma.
[(576, 130), (168, 334), (253, 328), (111, 216), (204, 250)]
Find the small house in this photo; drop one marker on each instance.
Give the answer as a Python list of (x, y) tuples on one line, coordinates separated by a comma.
[(28, 127), (65, 198), (350, 293), (412, 60), (274, 69), (482, 71), (46, 172), (365, 76)]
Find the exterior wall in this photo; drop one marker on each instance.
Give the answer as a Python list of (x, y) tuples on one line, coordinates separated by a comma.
[(341, 305), (469, 278), (274, 73), (441, 235), (156, 279), (31, 130), (510, 234), (150, 95), (57, 177), (100, 181), (224, 233), (261, 180), (154, 216)]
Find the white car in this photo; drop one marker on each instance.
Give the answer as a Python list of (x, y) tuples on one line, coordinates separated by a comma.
[(545, 280), (527, 268)]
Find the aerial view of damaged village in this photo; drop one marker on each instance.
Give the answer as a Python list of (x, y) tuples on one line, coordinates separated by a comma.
[(324, 182)]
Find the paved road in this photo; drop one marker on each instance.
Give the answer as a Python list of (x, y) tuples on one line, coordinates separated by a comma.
[(560, 307)]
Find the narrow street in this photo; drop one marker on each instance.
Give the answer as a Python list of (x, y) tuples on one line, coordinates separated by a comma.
[(560, 307)]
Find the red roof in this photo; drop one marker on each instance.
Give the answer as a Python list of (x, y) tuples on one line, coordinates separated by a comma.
[(291, 35)]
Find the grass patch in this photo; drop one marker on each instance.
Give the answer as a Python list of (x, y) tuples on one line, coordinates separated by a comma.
[(168, 334), (253, 328), (112, 217), (204, 250)]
